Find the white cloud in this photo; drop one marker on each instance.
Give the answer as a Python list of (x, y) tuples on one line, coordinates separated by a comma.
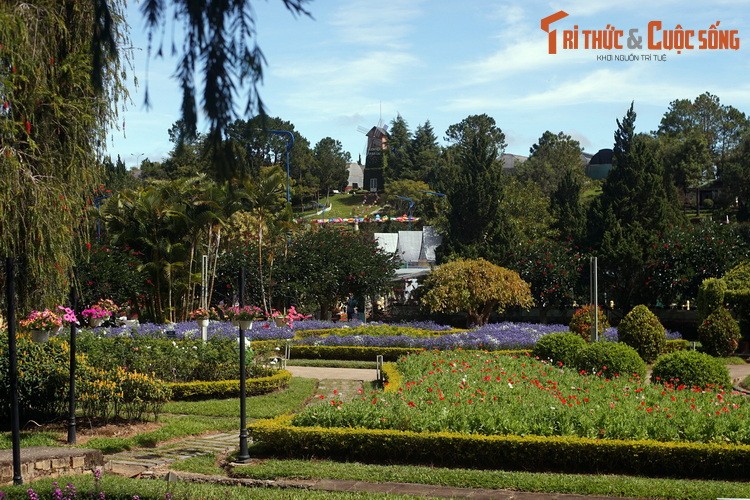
[(383, 24)]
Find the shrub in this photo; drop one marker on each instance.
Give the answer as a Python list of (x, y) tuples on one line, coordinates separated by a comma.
[(610, 359), (719, 333), (690, 368), (582, 321), (559, 347), (42, 377), (710, 296), (642, 330)]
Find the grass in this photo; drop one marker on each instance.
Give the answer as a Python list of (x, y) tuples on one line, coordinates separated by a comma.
[(29, 438), (203, 464), (181, 419), (126, 488), (266, 406), (581, 484), (347, 205)]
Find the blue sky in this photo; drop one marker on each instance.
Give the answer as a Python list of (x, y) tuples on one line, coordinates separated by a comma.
[(441, 60)]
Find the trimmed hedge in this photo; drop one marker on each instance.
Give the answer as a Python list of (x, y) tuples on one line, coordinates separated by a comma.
[(642, 330), (559, 347), (691, 368), (610, 359), (223, 389), (350, 353), (529, 453)]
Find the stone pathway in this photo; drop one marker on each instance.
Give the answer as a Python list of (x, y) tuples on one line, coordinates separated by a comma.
[(150, 461)]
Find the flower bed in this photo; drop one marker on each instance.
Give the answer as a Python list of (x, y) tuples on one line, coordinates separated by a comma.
[(491, 394)]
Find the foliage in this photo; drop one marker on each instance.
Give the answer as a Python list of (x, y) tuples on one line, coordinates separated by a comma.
[(582, 321), (690, 369), (550, 160), (224, 38), (609, 360), (111, 271), (42, 377), (329, 165), (567, 208), (325, 265), (710, 296), (168, 360), (738, 293), (475, 287), (219, 389), (473, 181), (719, 333), (633, 209), (559, 348), (642, 330), (685, 255), (51, 138), (469, 393)]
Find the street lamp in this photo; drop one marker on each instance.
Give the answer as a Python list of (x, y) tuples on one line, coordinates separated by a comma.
[(137, 157), (289, 144)]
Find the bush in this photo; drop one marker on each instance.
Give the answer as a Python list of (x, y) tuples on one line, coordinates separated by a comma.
[(690, 368), (642, 330), (42, 377), (582, 321), (610, 359), (559, 347), (719, 333), (710, 296)]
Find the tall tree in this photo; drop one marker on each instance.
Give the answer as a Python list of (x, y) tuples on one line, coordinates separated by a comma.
[(425, 154), (632, 212), (51, 134), (399, 140), (550, 159), (475, 223), (566, 207), (721, 126)]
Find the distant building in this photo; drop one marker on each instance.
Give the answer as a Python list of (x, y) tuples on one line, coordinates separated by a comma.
[(510, 160), (600, 165), (377, 144), (356, 176)]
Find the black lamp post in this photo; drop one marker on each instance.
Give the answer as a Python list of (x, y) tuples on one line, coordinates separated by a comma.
[(72, 383), (244, 454), (10, 291)]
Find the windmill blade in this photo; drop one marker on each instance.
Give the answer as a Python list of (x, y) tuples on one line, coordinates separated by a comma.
[(362, 129)]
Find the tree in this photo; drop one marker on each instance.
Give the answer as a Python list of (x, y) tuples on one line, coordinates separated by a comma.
[(326, 265), (424, 153), (736, 179), (473, 185), (220, 36), (720, 126), (550, 160), (475, 287), (688, 254), (329, 164), (631, 213), (567, 209), (399, 141), (51, 135)]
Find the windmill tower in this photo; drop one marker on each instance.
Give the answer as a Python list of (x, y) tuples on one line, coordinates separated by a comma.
[(377, 144)]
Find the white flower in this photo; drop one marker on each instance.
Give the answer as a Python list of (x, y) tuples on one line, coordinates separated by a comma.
[(510, 385)]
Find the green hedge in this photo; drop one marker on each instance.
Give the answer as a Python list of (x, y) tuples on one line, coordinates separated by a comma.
[(223, 389), (531, 453), (350, 353)]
